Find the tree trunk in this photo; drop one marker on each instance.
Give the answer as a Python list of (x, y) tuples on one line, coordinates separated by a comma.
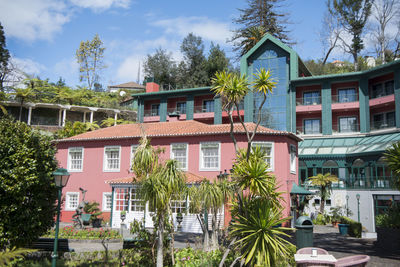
[(160, 244), (206, 240), (20, 110), (355, 58), (214, 233), (322, 207), (222, 262)]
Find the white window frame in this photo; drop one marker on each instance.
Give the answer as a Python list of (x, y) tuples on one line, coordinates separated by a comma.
[(105, 159), (172, 156), (105, 194), (292, 151), (201, 166), (271, 167), (69, 159), (132, 156), (67, 202)]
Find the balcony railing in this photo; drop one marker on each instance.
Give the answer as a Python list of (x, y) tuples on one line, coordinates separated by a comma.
[(176, 110), (378, 125), (382, 182), (344, 98), (305, 130), (346, 128), (203, 109), (151, 113), (308, 101)]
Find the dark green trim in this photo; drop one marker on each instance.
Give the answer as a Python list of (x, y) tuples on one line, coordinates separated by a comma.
[(177, 92), (326, 98), (397, 96), (189, 107), (163, 109), (343, 77), (217, 110), (112, 205), (364, 105)]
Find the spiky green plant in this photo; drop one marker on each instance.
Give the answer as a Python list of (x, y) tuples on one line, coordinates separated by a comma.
[(8, 255), (324, 183), (392, 156)]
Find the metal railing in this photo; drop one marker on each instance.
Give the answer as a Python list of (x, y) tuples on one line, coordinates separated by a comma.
[(345, 98), (203, 109), (382, 182), (176, 110), (308, 101), (346, 128), (151, 113), (305, 130), (378, 125)]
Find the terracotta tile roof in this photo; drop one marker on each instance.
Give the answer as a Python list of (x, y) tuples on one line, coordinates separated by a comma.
[(170, 129), (190, 178), (128, 85)]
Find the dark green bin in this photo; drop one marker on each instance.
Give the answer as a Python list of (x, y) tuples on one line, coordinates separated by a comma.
[(304, 232)]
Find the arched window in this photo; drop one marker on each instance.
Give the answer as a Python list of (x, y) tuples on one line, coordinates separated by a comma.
[(330, 166), (358, 163), (357, 175), (383, 173)]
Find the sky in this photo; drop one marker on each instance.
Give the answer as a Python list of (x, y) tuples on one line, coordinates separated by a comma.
[(43, 35)]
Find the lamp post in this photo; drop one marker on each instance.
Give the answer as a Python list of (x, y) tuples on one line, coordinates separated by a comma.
[(347, 205), (358, 206), (61, 177)]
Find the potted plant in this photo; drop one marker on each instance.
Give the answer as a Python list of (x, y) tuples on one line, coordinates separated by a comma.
[(93, 209), (123, 215), (336, 214), (179, 219), (343, 226)]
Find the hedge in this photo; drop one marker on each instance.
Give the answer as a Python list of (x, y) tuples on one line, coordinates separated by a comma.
[(355, 228)]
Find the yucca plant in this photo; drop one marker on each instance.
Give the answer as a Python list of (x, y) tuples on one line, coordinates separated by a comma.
[(9, 255), (392, 155), (260, 236)]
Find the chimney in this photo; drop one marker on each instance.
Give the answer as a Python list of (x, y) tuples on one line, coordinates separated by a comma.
[(152, 87)]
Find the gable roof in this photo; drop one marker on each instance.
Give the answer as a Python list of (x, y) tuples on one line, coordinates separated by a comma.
[(172, 129), (128, 85)]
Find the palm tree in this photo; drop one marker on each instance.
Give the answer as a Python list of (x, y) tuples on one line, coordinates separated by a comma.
[(251, 36), (324, 182), (22, 95), (260, 234), (159, 183), (392, 155)]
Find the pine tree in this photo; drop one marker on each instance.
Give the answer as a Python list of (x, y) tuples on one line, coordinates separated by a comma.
[(216, 61), (263, 15), (4, 58), (162, 67), (353, 15)]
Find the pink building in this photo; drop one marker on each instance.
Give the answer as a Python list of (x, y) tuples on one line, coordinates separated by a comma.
[(99, 162)]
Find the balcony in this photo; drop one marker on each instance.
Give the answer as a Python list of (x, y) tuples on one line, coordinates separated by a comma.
[(308, 101), (346, 128), (377, 183), (380, 125), (308, 131), (348, 98)]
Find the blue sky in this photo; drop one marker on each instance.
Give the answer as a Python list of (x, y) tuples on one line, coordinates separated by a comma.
[(43, 35)]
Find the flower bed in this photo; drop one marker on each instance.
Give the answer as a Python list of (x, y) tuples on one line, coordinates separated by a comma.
[(70, 232)]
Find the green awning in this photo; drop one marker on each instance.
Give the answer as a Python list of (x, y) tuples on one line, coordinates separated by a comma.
[(347, 145), (298, 190)]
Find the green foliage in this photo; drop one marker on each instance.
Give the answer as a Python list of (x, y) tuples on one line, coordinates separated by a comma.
[(72, 129), (27, 190), (189, 257), (324, 183), (338, 212), (258, 18), (317, 68), (260, 236), (392, 155), (322, 219), (389, 219), (4, 58), (216, 61), (92, 208), (355, 228), (89, 56), (162, 67), (9, 256), (70, 232)]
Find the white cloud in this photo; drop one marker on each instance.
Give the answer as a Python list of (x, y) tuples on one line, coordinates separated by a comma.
[(28, 66), (32, 20), (68, 69), (128, 70), (202, 26), (101, 5)]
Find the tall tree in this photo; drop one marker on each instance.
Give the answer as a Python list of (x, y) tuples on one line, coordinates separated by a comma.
[(162, 67), (27, 190), (353, 15), (4, 58), (90, 59), (384, 13), (216, 61), (193, 66), (264, 14), (330, 34)]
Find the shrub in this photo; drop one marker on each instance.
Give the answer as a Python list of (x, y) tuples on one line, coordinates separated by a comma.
[(321, 219), (355, 228), (70, 232), (390, 219)]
